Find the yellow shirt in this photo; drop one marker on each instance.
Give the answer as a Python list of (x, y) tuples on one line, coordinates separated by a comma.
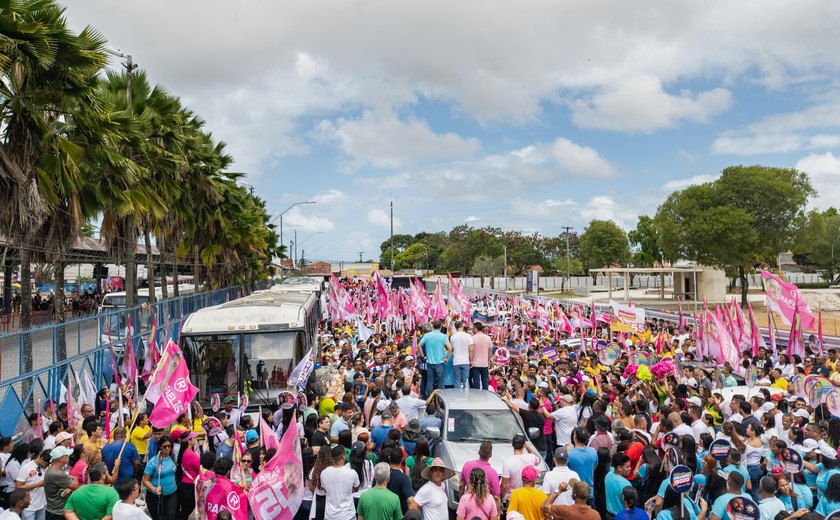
[(780, 383), (138, 439), (528, 502)]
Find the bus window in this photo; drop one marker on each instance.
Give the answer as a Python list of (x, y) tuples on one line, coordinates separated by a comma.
[(213, 362), (271, 356)]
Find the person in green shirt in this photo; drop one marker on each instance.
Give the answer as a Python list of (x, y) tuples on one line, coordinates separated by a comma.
[(378, 503), (93, 501)]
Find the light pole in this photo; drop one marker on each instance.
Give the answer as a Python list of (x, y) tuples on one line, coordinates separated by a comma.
[(566, 229), (280, 216)]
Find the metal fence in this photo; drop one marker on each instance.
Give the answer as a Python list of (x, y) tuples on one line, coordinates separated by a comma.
[(61, 353)]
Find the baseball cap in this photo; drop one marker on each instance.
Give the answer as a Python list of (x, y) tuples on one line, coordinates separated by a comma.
[(409, 358), (387, 414), (358, 447), (181, 435), (251, 436), (561, 455), (63, 436), (58, 452), (827, 451), (530, 473), (228, 399), (567, 398), (810, 444), (692, 382)]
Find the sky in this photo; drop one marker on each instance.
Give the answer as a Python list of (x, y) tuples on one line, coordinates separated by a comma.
[(528, 115)]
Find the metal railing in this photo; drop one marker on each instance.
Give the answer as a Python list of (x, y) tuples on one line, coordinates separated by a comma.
[(59, 352)]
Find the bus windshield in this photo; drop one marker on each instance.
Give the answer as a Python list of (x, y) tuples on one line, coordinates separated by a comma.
[(218, 361)]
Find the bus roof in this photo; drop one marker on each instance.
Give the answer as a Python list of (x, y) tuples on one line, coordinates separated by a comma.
[(261, 311)]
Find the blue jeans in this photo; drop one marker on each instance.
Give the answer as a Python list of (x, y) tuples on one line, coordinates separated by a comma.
[(34, 515), (479, 378), (755, 477), (462, 375), (434, 377)]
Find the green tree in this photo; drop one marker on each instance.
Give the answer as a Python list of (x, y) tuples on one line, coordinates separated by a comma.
[(603, 244), (744, 218), (401, 241), (412, 257), (524, 251), (646, 249), (817, 244), (489, 266)]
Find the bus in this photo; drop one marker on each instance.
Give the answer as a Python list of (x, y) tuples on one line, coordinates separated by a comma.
[(117, 300), (257, 339), (113, 324)]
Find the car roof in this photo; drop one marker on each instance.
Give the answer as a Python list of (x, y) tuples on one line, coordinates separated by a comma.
[(456, 399)]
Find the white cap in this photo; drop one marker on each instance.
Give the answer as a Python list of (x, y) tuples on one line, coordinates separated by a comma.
[(802, 413), (695, 400), (409, 358), (827, 451), (691, 382), (810, 444)]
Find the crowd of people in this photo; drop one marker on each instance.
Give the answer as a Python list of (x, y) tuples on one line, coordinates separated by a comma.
[(609, 430)]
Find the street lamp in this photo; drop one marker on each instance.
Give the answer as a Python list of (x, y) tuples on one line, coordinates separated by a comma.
[(280, 216)]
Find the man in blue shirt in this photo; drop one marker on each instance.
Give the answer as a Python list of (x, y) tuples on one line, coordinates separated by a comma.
[(437, 352), (130, 459), (615, 483), (583, 458), (734, 484)]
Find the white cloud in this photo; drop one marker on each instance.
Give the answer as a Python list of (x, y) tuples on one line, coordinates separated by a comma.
[(329, 197), (382, 219), (297, 219), (383, 140), (551, 203), (580, 160), (639, 104), (824, 170), (472, 218), (679, 184)]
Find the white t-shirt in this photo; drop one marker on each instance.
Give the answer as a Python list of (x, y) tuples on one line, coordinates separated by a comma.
[(123, 511), (49, 442), (9, 515), (460, 342), (552, 481), (410, 406), (432, 501), (30, 473), (512, 469), (367, 482), (338, 484), (565, 420)]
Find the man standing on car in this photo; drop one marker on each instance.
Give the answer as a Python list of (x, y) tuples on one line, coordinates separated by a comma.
[(437, 353)]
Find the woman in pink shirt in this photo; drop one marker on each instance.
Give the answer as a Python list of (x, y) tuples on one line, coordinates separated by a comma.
[(478, 502), (186, 472)]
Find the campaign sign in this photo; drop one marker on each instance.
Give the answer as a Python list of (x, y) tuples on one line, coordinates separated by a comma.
[(798, 384), (502, 356), (791, 460), (550, 353), (832, 401), (609, 355), (286, 400), (751, 377), (833, 516), (639, 358), (215, 402), (302, 401), (672, 458), (742, 508), (719, 450), (671, 440), (212, 426), (680, 479)]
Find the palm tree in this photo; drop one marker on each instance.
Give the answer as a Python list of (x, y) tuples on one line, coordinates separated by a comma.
[(47, 72)]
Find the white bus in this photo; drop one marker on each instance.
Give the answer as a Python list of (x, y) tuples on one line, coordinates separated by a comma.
[(258, 339), (113, 324), (117, 300)]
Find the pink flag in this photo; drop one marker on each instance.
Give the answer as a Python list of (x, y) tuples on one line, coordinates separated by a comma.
[(438, 309), (794, 339), (216, 493), (783, 297), (269, 440), (108, 419), (659, 339), (721, 346), (771, 330), (172, 386), (460, 303), (383, 300), (819, 331), (276, 493), (129, 362), (755, 335), (737, 320), (152, 356), (682, 318)]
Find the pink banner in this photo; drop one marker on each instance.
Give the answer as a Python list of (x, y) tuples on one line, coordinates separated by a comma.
[(460, 303), (383, 300), (438, 310), (783, 298), (276, 493), (215, 493), (719, 343), (172, 385), (129, 362), (269, 440)]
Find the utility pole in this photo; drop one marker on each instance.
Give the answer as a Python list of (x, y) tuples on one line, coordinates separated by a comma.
[(291, 250), (392, 239), (296, 243), (505, 267), (566, 230)]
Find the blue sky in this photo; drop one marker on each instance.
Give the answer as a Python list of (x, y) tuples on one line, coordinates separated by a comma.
[(527, 116)]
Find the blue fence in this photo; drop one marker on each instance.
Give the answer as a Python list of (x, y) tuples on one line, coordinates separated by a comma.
[(80, 350)]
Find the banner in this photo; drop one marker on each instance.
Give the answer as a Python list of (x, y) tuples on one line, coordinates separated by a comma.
[(300, 375), (460, 303), (172, 387), (129, 361), (626, 318), (269, 440), (783, 298), (216, 493), (276, 493)]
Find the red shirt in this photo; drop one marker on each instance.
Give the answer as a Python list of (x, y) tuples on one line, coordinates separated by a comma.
[(635, 453)]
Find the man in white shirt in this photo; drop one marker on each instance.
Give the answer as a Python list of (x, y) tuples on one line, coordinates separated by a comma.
[(560, 474), (512, 466), (18, 502), (339, 482), (461, 342), (31, 478), (697, 425), (411, 406), (680, 428), (768, 504), (565, 419), (125, 509)]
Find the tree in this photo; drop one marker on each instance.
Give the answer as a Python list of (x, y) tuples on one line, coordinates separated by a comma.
[(647, 251), (489, 266), (817, 244), (523, 251), (603, 244), (744, 218), (412, 257)]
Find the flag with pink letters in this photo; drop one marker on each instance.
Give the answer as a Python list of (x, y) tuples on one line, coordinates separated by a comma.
[(784, 298), (215, 493), (171, 387), (276, 493)]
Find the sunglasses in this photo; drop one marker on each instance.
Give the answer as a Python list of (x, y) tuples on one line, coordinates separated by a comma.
[(247, 460)]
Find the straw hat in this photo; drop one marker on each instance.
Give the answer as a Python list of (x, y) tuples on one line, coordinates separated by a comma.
[(437, 463)]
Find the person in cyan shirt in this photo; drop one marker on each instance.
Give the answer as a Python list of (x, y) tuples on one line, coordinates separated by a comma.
[(615, 483)]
